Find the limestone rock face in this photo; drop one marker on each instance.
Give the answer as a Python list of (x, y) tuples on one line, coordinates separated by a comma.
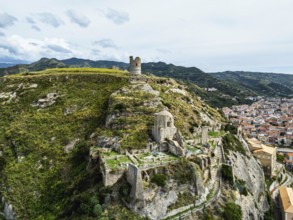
[(199, 182), (157, 209), (69, 147), (8, 212), (246, 168), (180, 91), (49, 100), (147, 88), (108, 142)]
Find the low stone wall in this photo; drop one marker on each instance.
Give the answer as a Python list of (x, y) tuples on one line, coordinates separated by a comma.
[(112, 177)]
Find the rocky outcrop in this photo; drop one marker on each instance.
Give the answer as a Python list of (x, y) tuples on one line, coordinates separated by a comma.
[(157, 209), (8, 212), (247, 169), (49, 100), (147, 88), (69, 147)]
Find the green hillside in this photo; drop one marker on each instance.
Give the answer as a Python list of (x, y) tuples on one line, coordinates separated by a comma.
[(267, 84), (232, 87), (44, 181), (49, 125)]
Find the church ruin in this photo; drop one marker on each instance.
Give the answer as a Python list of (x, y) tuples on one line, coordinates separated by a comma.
[(164, 126)]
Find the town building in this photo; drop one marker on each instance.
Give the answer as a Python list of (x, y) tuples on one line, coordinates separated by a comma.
[(265, 154), (286, 202)]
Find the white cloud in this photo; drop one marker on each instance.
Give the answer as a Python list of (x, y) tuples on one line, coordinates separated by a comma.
[(118, 17), (6, 20), (78, 18), (50, 19), (106, 43), (212, 35)]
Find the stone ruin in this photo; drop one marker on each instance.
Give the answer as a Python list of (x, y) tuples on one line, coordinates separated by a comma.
[(135, 65), (135, 71), (166, 134), (134, 178), (204, 135)]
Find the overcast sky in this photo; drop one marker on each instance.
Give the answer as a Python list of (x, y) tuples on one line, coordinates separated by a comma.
[(213, 35)]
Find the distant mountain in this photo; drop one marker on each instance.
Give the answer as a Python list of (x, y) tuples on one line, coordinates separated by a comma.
[(5, 65), (267, 84), (44, 63), (231, 87), (76, 62), (228, 92)]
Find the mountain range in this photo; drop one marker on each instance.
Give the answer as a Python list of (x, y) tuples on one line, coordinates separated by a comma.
[(232, 87)]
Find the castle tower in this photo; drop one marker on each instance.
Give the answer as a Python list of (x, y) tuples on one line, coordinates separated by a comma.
[(164, 126), (135, 65)]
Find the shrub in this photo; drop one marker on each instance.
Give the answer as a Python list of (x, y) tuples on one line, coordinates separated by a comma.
[(280, 158), (97, 210), (230, 142), (227, 173), (231, 128), (120, 106), (232, 212), (159, 179)]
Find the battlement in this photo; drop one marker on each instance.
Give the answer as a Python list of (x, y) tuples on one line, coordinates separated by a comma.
[(135, 65)]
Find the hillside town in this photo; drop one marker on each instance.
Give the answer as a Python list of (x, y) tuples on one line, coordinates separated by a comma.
[(268, 127), (268, 120)]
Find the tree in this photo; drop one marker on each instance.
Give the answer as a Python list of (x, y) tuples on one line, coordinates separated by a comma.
[(97, 210), (232, 212)]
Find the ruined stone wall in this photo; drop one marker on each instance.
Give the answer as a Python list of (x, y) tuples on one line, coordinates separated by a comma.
[(175, 148), (204, 135), (134, 178), (112, 177)]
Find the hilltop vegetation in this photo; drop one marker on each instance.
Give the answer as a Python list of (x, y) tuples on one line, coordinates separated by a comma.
[(232, 87), (50, 121), (267, 84), (44, 181)]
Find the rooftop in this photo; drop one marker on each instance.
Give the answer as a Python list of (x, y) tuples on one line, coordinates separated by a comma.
[(165, 112), (286, 195), (257, 146)]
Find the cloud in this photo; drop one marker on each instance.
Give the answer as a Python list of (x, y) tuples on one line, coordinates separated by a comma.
[(163, 51), (50, 19), (2, 34), (106, 43), (58, 48), (36, 28), (19, 48), (12, 49), (6, 20), (96, 51), (33, 43), (78, 18), (30, 20), (118, 17)]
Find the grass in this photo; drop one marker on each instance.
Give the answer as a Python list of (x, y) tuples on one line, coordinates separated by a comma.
[(216, 134), (51, 184), (74, 71), (39, 136), (115, 163), (231, 143)]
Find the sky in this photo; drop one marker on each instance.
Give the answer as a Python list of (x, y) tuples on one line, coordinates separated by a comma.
[(213, 35)]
